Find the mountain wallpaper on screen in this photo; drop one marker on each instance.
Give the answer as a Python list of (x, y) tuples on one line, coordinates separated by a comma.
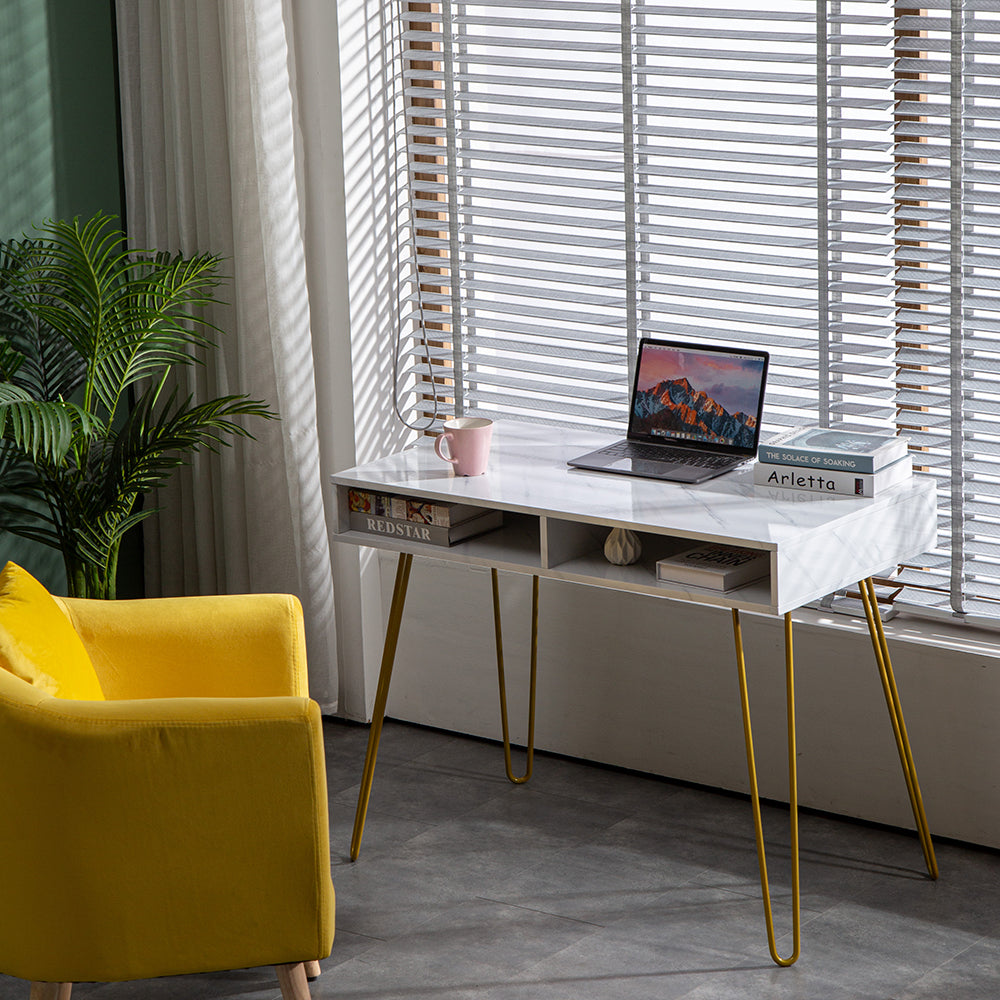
[(676, 407)]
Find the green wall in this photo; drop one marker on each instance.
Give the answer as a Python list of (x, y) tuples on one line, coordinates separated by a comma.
[(59, 149), (27, 148), (85, 123), (59, 158)]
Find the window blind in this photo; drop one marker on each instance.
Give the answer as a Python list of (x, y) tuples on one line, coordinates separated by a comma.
[(816, 177), (764, 193), (531, 249), (606, 171), (948, 186)]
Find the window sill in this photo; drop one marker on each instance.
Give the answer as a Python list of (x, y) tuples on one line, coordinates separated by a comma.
[(942, 634)]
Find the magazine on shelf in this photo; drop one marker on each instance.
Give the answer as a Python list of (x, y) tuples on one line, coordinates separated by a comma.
[(414, 520), (443, 515), (843, 448), (714, 566), (833, 481)]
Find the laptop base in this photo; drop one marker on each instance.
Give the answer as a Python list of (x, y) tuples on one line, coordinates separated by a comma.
[(600, 461)]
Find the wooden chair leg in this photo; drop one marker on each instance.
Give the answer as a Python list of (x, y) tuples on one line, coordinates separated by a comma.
[(313, 970), (51, 991), (292, 980)]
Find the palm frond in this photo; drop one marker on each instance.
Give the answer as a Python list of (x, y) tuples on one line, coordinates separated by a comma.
[(159, 437), (98, 541), (127, 314), (32, 353), (70, 275), (17, 525), (157, 323), (43, 429)]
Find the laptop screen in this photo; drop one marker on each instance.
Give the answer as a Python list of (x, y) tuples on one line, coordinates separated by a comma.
[(692, 394)]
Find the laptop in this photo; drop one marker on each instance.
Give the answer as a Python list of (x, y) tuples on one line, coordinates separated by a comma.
[(694, 413)]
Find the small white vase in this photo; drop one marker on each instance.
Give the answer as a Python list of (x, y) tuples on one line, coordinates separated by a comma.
[(622, 547)]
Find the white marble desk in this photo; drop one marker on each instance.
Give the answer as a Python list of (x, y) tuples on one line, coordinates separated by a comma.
[(556, 520), (561, 516)]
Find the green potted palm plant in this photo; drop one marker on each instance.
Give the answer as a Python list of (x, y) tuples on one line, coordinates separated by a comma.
[(90, 330)]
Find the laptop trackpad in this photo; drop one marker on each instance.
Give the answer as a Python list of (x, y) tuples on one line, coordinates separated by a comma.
[(676, 472), (643, 467)]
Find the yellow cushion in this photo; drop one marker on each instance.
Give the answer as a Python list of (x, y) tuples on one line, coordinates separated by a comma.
[(38, 643)]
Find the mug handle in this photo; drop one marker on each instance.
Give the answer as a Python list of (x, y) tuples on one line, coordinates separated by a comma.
[(438, 441)]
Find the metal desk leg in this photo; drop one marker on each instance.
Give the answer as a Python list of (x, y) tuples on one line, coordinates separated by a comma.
[(792, 791), (503, 686), (381, 696), (884, 665)]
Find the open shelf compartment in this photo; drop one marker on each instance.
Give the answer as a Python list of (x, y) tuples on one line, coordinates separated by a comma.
[(574, 550)]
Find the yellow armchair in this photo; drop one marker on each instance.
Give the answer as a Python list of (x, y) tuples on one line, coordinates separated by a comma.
[(180, 824)]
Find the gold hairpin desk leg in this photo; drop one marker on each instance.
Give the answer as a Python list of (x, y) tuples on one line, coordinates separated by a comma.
[(884, 664), (503, 686), (792, 791), (381, 696)]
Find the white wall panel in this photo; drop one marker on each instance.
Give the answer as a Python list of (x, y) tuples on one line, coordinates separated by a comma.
[(649, 684)]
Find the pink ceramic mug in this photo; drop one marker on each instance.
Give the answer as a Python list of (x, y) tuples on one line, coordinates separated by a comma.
[(468, 444)]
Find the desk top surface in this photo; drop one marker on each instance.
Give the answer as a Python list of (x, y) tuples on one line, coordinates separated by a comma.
[(528, 473)]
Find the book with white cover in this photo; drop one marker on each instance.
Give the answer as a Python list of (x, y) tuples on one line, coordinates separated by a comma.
[(714, 566), (833, 481), (844, 448)]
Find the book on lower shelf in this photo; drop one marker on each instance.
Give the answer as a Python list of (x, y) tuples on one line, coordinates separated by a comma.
[(413, 520), (830, 449), (714, 566), (832, 481)]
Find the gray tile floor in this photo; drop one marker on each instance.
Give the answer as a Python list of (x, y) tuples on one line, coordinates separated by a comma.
[(592, 883)]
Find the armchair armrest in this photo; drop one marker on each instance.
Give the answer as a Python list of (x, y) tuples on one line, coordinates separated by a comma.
[(234, 645), (132, 821)]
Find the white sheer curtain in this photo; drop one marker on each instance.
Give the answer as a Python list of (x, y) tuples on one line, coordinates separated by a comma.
[(213, 163)]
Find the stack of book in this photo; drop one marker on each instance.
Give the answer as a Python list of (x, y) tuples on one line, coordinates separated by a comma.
[(835, 460), (418, 520)]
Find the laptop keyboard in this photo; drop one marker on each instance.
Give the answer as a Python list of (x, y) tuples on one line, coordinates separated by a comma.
[(658, 453)]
